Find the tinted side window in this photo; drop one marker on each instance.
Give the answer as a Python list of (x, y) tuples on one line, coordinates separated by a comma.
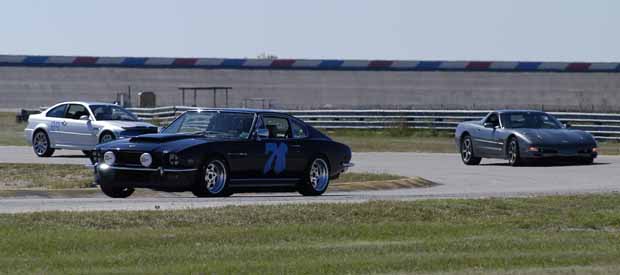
[(493, 119), (75, 111), (59, 111), (278, 127), (298, 129)]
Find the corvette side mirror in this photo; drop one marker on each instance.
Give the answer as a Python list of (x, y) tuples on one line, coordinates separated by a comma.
[(262, 133), (489, 125), (84, 117)]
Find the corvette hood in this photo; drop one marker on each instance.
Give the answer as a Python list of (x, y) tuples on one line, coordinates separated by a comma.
[(556, 136)]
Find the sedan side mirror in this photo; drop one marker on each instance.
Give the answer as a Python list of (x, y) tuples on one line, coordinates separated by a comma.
[(84, 117), (262, 133), (489, 125)]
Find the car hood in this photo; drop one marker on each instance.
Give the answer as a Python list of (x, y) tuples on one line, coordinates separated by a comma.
[(158, 142), (556, 136)]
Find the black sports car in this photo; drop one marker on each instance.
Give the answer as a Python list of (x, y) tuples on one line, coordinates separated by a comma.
[(520, 135), (218, 152)]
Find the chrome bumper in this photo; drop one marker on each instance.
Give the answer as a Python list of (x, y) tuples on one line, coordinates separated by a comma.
[(346, 166)]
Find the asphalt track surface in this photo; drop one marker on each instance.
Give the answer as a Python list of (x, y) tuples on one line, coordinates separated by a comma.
[(493, 178)]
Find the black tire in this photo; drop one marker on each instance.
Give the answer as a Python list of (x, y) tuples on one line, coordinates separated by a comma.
[(212, 179), (106, 137), (512, 152), (117, 192), (41, 144), (316, 181), (467, 152)]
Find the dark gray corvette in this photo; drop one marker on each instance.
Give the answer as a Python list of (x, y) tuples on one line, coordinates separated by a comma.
[(518, 135)]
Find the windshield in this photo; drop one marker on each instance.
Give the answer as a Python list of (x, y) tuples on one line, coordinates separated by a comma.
[(112, 112), (530, 120), (212, 123)]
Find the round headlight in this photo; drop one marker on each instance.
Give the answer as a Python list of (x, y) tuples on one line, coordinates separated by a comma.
[(146, 159), (109, 158)]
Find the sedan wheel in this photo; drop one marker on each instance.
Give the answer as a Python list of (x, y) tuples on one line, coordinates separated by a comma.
[(318, 179), (467, 152), (41, 145), (514, 158), (214, 180)]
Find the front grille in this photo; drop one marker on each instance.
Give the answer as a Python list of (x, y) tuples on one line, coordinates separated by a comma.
[(132, 159)]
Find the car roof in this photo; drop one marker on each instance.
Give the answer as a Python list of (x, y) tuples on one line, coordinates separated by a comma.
[(239, 110), (87, 103), (517, 111)]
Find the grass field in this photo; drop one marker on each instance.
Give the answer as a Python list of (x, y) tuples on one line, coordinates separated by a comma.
[(11, 132), (44, 176), (544, 235)]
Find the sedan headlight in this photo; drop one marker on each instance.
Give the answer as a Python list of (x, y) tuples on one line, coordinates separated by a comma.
[(109, 158), (146, 159)]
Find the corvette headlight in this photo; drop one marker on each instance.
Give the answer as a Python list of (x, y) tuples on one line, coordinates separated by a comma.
[(109, 158), (146, 159)]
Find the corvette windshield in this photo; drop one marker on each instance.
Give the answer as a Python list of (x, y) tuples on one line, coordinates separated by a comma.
[(111, 112), (530, 120), (212, 123)]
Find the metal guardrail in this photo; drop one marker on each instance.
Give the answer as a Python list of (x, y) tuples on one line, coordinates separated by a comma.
[(602, 126)]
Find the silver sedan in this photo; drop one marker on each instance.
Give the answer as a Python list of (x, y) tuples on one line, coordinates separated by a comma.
[(81, 126)]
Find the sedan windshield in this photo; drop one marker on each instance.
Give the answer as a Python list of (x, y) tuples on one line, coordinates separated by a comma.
[(212, 123), (112, 112), (531, 120)]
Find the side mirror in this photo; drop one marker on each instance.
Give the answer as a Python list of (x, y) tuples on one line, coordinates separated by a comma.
[(160, 129), (262, 133), (489, 125), (84, 117), (567, 125)]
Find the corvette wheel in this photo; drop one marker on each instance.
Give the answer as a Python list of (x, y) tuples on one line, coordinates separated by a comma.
[(117, 192), (317, 180), (514, 158), (41, 144), (106, 137), (213, 180), (467, 152)]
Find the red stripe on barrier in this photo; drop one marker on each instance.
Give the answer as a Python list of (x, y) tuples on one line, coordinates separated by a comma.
[(380, 63), (85, 60), (476, 65), (185, 61), (578, 66), (282, 63)]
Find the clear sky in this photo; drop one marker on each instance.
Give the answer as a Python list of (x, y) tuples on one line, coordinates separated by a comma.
[(525, 30)]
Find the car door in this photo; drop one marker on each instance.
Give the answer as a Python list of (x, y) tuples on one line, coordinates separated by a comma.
[(78, 133), (280, 157), (54, 119), (485, 142)]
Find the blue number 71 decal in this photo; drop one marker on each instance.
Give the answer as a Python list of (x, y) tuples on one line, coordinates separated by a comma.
[(277, 155)]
